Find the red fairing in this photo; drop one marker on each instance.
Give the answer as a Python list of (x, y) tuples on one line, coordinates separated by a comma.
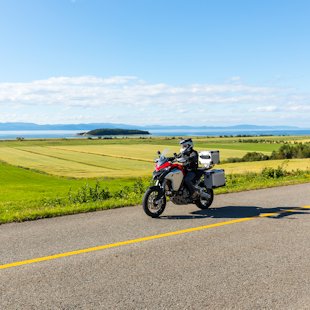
[(169, 164), (178, 166), (165, 165)]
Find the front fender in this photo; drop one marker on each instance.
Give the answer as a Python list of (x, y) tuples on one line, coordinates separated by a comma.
[(157, 188)]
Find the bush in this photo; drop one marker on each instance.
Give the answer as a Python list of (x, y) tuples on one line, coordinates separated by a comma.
[(288, 151), (122, 193), (250, 156), (87, 194), (274, 173), (232, 160), (254, 156)]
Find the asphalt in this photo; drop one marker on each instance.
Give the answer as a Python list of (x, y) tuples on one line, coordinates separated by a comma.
[(262, 263)]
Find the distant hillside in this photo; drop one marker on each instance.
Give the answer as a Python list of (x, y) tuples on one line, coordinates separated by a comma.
[(92, 126), (116, 132)]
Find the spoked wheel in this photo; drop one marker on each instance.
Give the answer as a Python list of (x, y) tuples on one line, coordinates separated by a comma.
[(154, 201), (203, 203)]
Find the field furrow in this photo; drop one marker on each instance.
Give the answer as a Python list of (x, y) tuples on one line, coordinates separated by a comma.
[(64, 156), (143, 152), (57, 166)]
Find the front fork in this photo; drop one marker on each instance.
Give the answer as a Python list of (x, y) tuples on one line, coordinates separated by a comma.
[(161, 186)]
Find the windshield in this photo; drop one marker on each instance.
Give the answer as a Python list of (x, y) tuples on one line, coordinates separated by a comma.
[(162, 157), (161, 160)]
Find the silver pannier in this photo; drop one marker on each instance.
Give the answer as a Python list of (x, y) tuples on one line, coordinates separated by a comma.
[(215, 178)]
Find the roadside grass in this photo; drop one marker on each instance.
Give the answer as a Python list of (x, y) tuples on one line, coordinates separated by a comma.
[(29, 195), (25, 185)]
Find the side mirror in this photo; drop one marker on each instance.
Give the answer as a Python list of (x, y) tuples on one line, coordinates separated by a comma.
[(158, 152)]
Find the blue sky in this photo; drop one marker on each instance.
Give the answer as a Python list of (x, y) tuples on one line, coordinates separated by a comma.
[(155, 62)]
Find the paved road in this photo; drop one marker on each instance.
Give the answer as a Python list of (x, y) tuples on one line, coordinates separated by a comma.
[(249, 262)]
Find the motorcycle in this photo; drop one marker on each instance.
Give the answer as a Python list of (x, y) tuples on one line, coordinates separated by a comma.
[(169, 176)]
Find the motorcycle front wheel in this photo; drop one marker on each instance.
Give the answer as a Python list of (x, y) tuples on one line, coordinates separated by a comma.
[(154, 201), (203, 203)]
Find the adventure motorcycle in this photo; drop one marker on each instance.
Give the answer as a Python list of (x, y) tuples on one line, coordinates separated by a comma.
[(169, 182)]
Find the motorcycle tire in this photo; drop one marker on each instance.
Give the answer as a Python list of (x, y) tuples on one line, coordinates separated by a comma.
[(205, 203), (149, 200)]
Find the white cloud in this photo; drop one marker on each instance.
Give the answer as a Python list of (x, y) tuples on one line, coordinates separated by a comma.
[(126, 98), (270, 108), (299, 108)]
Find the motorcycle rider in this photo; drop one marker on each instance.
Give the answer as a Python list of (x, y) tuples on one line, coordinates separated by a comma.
[(191, 158)]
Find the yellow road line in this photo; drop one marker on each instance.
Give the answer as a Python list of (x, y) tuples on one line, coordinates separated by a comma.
[(138, 240)]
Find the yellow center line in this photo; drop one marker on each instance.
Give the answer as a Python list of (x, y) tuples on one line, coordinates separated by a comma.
[(138, 240)]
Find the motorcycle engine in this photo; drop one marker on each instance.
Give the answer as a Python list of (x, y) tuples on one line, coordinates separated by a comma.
[(181, 198)]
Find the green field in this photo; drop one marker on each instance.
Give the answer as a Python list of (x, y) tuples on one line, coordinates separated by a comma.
[(36, 175), (119, 158)]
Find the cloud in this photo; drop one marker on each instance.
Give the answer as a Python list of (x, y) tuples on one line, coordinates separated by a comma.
[(125, 98), (299, 108), (270, 108), (96, 91)]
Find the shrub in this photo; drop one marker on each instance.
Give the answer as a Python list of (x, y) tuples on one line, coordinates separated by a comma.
[(250, 156), (87, 194), (232, 160), (288, 151), (139, 187), (274, 173), (254, 156), (122, 193)]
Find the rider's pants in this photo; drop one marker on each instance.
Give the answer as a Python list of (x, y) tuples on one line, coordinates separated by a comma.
[(189, 181)]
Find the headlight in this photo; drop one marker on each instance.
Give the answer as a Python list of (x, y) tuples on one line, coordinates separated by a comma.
[(156, 174)]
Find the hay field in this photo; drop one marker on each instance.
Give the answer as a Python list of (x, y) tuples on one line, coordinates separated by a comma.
[(258, 166), (123, 158)]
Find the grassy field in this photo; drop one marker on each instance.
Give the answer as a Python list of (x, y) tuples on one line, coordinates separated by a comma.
[(119, 158), (257, 166), (36, 176)]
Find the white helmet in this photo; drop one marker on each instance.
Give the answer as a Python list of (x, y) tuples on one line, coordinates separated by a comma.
[(186, 145)]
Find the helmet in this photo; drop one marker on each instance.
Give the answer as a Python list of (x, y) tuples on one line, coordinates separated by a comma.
[(186, 145)]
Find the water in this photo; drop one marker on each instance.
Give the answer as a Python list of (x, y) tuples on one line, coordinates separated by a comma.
[(39, 134), (228, 132), (71, 134)]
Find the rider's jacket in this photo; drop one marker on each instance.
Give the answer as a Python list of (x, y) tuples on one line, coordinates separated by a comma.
[(191, 158)]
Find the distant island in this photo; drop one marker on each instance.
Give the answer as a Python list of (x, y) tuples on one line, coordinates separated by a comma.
[(114, 132)]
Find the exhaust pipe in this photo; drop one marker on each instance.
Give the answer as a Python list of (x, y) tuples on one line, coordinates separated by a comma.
[(204, 195)]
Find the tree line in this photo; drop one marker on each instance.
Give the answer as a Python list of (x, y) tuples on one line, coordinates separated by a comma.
[(286, 151)]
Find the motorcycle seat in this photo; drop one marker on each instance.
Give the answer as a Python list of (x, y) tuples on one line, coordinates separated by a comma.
[(202, 169)]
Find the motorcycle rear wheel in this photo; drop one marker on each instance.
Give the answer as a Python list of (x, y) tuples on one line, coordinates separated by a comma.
[(202, 203), (154, 202)]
